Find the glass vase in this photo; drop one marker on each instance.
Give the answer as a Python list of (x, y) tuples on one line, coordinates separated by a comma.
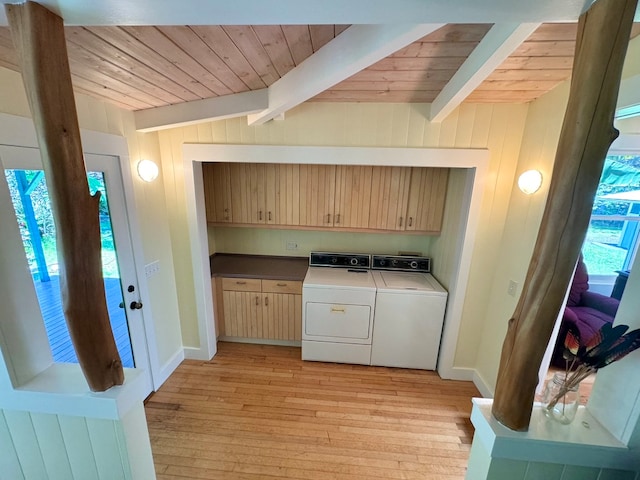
[(559, 401)]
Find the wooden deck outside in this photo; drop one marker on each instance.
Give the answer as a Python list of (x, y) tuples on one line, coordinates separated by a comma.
[(260, 412), (51, 306)]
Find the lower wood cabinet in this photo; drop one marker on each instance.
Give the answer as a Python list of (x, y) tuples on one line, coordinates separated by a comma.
[(261, 309)]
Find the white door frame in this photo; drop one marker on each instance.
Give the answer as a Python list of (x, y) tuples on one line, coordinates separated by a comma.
[(20, 132), (474, 161)]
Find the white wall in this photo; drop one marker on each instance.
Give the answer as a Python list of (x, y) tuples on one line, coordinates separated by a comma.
[(262, 241), (520, 231)]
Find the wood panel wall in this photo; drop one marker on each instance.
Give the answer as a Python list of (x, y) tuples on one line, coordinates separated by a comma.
[(60, 447)]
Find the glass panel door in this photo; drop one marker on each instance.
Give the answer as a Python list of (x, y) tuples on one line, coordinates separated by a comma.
[(33, 212)]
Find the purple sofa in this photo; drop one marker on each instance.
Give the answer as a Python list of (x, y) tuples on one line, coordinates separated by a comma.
[(586, 312)]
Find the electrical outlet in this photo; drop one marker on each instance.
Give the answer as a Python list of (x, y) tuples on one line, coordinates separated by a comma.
[(513, 287), (152, 268), (291, 245)]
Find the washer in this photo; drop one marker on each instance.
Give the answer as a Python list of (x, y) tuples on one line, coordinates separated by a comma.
[(338, 297), (409, 313)]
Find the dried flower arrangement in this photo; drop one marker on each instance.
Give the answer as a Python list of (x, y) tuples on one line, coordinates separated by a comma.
[(608, 345)]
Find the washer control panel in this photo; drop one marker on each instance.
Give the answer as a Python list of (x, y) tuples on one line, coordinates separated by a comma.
[(402, 263), (341, 260)]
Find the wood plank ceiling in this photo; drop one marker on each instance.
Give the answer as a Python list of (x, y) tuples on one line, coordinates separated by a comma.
[(143, 67)]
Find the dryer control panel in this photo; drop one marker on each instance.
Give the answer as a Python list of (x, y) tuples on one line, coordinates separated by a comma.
[(401, 263)]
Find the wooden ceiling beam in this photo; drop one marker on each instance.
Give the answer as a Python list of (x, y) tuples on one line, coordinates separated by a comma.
[(188, 113), (493, 49), (353, 50), (301, 12)]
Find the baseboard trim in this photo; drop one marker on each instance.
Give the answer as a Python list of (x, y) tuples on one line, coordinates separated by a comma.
[(468, 375), (482, 385), (168, 368), (457, 373), (261, 341), (194, 353)]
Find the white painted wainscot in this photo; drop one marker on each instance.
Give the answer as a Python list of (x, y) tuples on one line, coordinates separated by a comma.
[(583, 450)]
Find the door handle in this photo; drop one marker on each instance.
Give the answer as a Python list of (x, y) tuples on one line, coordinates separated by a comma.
[(135, 305)]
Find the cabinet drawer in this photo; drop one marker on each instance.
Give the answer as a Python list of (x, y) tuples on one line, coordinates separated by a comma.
[(241, 284), (282, 286)]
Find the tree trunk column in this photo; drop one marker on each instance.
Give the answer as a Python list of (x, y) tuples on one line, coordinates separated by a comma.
[(38, 35), (587, 133)]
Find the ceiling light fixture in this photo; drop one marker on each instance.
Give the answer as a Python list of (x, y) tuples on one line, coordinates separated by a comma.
[(530, 181), (147, 170)]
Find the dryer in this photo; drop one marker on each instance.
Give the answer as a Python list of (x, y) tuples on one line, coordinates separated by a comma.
[(409, 313), (338, 296)]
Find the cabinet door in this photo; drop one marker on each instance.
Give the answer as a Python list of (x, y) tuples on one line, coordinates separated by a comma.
[(289, 188), (427, 195), (353, 196), (282, 316), (241, 192), (255, 193), (243, 314), (317, 192), (271, 203), (218, 303), (390, 194), (217, 192)]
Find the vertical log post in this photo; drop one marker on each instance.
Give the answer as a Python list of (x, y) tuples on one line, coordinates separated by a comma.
[(38, 35), (587, 132)]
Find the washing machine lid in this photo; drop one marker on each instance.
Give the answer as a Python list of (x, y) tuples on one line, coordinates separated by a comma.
[(320, 277), (408, 282)]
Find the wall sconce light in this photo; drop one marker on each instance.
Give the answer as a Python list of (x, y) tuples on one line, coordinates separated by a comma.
[(147, 170), (530, 181)]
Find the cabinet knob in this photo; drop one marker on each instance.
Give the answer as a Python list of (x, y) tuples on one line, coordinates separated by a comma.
[(281, 284), (410, 221), (269, 216), (266, 300)]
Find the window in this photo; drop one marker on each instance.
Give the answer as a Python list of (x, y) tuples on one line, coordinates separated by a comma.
[(612, 239)]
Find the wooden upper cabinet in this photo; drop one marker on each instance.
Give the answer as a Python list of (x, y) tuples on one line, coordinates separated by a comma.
[(317, 193), (427, 194), (390, 187), (330, 196), (352, 196), (217, 192)]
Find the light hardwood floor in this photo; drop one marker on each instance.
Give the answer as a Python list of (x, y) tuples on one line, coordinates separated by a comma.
[(259, 412)]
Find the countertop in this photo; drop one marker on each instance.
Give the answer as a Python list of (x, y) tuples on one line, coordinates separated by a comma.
[(258, 266)]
